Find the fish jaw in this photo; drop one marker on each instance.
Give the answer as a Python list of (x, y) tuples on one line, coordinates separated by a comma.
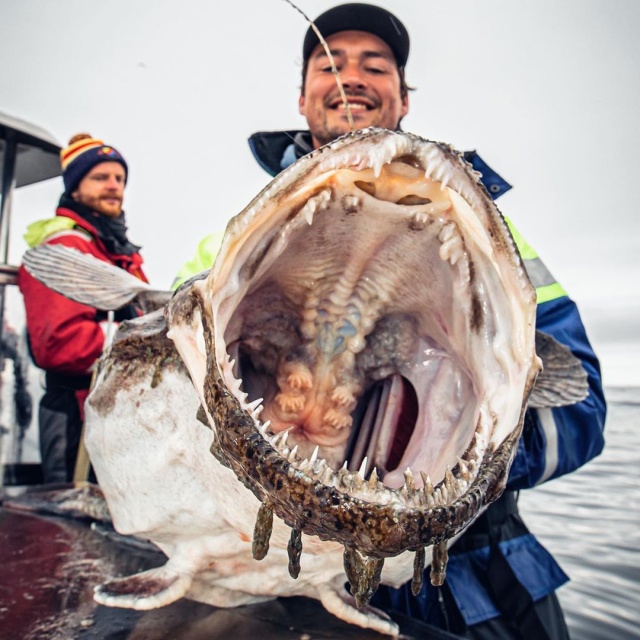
[(377, 261)]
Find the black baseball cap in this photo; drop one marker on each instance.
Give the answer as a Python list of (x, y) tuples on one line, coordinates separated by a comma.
[(358, 16)]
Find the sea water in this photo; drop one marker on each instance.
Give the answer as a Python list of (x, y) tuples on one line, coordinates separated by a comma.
[(590, 521)]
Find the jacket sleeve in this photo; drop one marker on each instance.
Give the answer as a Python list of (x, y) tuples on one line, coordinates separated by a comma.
[(65, 336), (556, 441)]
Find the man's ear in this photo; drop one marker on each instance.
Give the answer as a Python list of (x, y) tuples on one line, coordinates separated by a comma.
[(301, 104), (405, 104), (74, 196)]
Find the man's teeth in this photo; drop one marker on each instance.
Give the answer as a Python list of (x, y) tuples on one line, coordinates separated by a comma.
[(354, 106)]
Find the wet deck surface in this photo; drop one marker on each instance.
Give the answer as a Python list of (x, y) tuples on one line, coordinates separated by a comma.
[(50, 564)]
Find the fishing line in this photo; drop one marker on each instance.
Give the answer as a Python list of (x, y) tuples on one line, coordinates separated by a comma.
[(334, 69)]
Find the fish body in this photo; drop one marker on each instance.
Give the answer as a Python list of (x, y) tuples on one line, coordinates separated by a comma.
[(348, 383)]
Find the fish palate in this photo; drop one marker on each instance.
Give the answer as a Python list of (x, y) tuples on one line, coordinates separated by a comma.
[(357, 363)]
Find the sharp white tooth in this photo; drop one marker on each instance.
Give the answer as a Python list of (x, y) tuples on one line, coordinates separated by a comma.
[(285, 436), (362, 472), (274, 441), (428, 485), (344, 475), (308, 210), (252, 406), (293, 454), (450, 482), (257, 412), (314, 455), (373, 480), (328, 477), (408, 480), (445, 181), (464, 468)]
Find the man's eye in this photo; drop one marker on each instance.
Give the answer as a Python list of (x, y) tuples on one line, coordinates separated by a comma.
[(376, 70)]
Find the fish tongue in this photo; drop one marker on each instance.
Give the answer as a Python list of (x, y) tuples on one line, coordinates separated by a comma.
[(379, 427)]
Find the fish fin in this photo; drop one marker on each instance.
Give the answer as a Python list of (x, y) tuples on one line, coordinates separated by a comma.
[(147, 590), (84, 278), (563, 380), (81, 500), (342, 605)]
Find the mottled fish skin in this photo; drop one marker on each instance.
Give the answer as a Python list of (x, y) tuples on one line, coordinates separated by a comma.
[(372, 274)]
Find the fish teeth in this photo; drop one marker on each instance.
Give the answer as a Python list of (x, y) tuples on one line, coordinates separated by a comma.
[(373, 480), (463, 469), (409, 482), (253, 406), (319, 201), (419, 221), (362, 472), (319, 467), (285, 435), (351, 203), (428, 485), (450, 482), (275, 441), (328, 477)]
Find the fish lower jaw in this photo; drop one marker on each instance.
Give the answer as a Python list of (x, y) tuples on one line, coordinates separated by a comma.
[(417, 490)]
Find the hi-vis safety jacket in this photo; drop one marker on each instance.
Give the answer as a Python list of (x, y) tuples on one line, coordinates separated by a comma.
[(554, 442), (67, 337)]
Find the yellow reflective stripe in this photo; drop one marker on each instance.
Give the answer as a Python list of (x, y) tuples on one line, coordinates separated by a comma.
[(550, 292), (547, 288), (39, 231), (526, 250)]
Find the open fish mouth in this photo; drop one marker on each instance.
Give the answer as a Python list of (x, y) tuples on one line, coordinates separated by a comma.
[(364, 346)]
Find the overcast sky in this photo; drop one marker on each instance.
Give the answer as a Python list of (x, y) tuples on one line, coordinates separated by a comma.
[(548, 92)]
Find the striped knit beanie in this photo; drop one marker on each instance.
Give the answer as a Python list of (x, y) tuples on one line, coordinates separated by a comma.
[(82, 154)]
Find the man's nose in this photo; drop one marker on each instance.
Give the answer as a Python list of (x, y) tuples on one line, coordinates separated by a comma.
[(351, 76), (114, 183)]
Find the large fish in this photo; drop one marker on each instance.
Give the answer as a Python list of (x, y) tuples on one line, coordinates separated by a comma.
[(362, 354)]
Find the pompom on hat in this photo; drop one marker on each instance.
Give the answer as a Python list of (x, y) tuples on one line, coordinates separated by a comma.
[(83, 153)]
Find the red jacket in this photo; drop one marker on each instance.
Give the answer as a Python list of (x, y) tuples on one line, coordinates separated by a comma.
[(65, 336)]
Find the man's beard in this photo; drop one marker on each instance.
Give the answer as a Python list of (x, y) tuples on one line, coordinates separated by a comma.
[(98, 205), (329, 134)]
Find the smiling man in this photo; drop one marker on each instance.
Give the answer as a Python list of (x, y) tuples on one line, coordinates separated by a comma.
[(370, 48), (66, 338), (371, 81)]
